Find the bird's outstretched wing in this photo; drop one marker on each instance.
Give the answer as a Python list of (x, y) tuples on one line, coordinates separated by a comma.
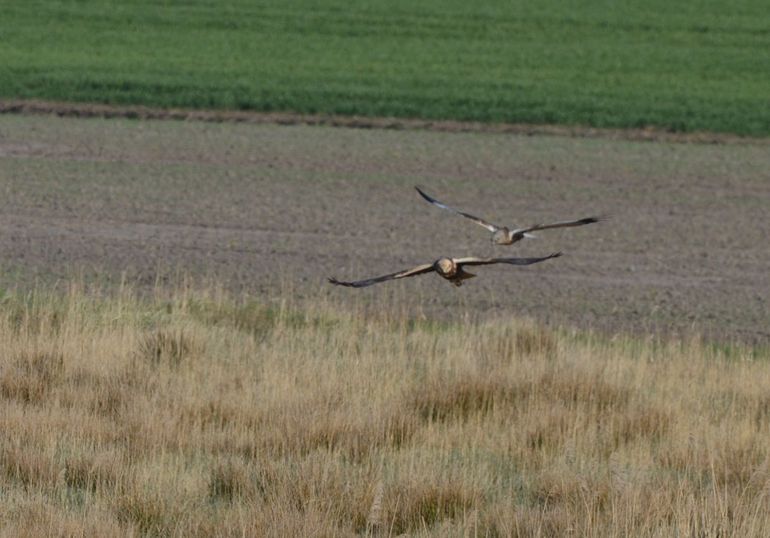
[(561, 224), (489, 226), (472, 260), (420, 269)]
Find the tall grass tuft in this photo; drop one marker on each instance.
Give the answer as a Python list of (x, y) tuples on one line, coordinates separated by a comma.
[(192, 413)]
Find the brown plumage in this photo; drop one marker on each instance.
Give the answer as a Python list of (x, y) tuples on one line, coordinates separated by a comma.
[(451, 269)]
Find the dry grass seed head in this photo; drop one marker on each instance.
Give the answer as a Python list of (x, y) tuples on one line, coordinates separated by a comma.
[(443, 400), (320, 481), (374, 520), (505, 344), (217, 414), (634, 424), (104, 394), (29, 376), (169, 346), (476, 394), (300, 429), (38, 517), (36, 315), (91, 472), (535, 340), (236, 480), (573, 489), (356, 440), (148, 513), (549, 430), (251, 317), (29, 467), (731, 462), (762, 412), (583, 390), (323, 461), (554, 521), (109, 399), (417, 506)]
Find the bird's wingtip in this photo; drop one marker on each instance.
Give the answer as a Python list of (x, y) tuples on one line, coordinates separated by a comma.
[(336, 282), (421, 192)]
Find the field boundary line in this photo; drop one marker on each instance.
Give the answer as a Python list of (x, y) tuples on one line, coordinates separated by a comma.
[(140, 112)]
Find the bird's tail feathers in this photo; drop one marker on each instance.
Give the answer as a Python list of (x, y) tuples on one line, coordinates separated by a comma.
[(462, 275)]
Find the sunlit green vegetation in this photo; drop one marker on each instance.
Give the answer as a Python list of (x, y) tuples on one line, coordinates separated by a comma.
[(678, 65)]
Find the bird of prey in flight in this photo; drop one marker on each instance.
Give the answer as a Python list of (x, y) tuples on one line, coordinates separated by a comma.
[(451, 269), (505, 236)]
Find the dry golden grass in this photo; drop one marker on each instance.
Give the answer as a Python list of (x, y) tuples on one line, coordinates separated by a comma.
[(199, 415)]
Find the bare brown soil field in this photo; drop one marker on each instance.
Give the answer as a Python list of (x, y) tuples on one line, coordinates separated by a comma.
[(95, 110), (256, 206)]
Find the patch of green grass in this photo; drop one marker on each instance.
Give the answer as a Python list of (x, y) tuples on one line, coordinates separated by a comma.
[(250, 317), (254, 317), (683, 66)]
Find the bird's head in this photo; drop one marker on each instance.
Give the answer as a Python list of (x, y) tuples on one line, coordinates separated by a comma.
[(501, 236), (445, 266)]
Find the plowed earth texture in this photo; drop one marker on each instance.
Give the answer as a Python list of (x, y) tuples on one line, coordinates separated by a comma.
[(263, 208)]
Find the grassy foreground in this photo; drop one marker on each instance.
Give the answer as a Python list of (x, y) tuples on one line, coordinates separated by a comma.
[(679, 65), (199, 415)]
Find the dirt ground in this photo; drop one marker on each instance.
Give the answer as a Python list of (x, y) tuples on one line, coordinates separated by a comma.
[(265, 208), (93, 110)]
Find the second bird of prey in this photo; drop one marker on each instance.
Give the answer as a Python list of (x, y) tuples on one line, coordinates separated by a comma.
[(505, 236), (452, 269)]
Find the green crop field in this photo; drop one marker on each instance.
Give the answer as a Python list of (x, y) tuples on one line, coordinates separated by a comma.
[(684, 66)]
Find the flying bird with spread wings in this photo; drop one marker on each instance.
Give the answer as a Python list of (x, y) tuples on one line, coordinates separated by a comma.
[(502, 235), (451, 269)]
